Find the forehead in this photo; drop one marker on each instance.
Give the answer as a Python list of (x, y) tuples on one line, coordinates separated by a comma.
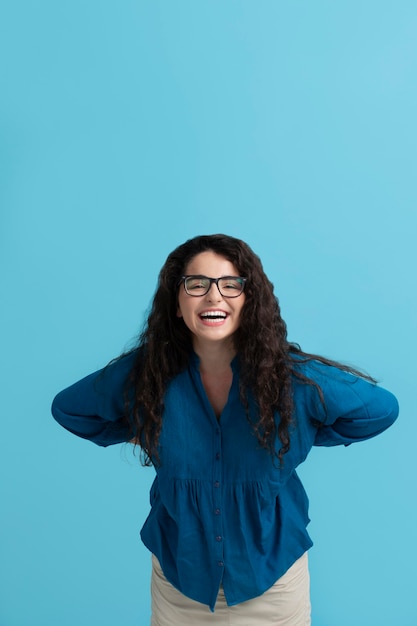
[(211, 264)]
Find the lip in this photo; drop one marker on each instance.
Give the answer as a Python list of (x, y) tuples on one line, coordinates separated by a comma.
[(211, 319)]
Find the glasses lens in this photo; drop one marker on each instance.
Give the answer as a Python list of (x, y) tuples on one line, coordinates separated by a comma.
[(197, 285), (231, 287)]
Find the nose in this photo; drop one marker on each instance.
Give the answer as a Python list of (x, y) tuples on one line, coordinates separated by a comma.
[(214, 296)]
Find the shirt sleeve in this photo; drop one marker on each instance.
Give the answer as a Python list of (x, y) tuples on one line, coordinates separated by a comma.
[(94, 407), (353, 409)]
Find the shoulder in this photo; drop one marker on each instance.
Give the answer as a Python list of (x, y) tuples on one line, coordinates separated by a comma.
[(312, 370), (123, 363)]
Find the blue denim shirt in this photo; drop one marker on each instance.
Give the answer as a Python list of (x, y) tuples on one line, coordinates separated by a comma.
[(221, 509)]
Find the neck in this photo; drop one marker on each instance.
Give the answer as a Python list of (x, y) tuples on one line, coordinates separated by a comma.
[(216, 357)]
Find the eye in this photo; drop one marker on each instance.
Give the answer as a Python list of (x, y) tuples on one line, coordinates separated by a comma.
[(196, 283), (231, 284)]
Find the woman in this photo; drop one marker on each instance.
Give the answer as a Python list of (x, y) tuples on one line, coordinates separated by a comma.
[(225, 408)]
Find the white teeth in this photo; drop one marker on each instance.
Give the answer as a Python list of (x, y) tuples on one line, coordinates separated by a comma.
[(213, 314)]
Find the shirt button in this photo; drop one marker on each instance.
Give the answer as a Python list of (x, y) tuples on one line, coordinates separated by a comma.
[(218, 538), (216, 511), (217, 484), (220, 563), (217, 456)]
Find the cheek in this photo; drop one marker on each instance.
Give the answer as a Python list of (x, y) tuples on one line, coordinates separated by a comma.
[(240, 316), (184, 310)]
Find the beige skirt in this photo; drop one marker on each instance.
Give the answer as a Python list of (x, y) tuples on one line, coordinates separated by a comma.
[(286, 603)]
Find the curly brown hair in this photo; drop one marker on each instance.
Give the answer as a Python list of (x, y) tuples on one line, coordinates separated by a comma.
[(266, 358)]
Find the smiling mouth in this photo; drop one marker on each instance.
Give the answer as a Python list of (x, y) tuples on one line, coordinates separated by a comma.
[(213, 315)]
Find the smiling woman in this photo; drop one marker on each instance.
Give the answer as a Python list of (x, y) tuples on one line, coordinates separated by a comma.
[(211, 316), (225, 408)]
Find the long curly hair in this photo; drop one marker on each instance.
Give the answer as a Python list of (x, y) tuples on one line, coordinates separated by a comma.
[(266, 358)]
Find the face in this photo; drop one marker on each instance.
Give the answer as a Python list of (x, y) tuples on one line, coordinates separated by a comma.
[(210, 318)]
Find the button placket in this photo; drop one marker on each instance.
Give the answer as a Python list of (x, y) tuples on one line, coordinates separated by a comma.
[(217, 500)]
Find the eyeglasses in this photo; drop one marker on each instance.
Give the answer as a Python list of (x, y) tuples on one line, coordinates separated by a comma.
[(228, 286)]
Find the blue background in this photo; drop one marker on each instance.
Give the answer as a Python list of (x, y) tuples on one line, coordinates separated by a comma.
[(127, 127)]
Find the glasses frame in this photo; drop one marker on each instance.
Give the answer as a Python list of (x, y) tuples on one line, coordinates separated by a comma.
[(212, 280)]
